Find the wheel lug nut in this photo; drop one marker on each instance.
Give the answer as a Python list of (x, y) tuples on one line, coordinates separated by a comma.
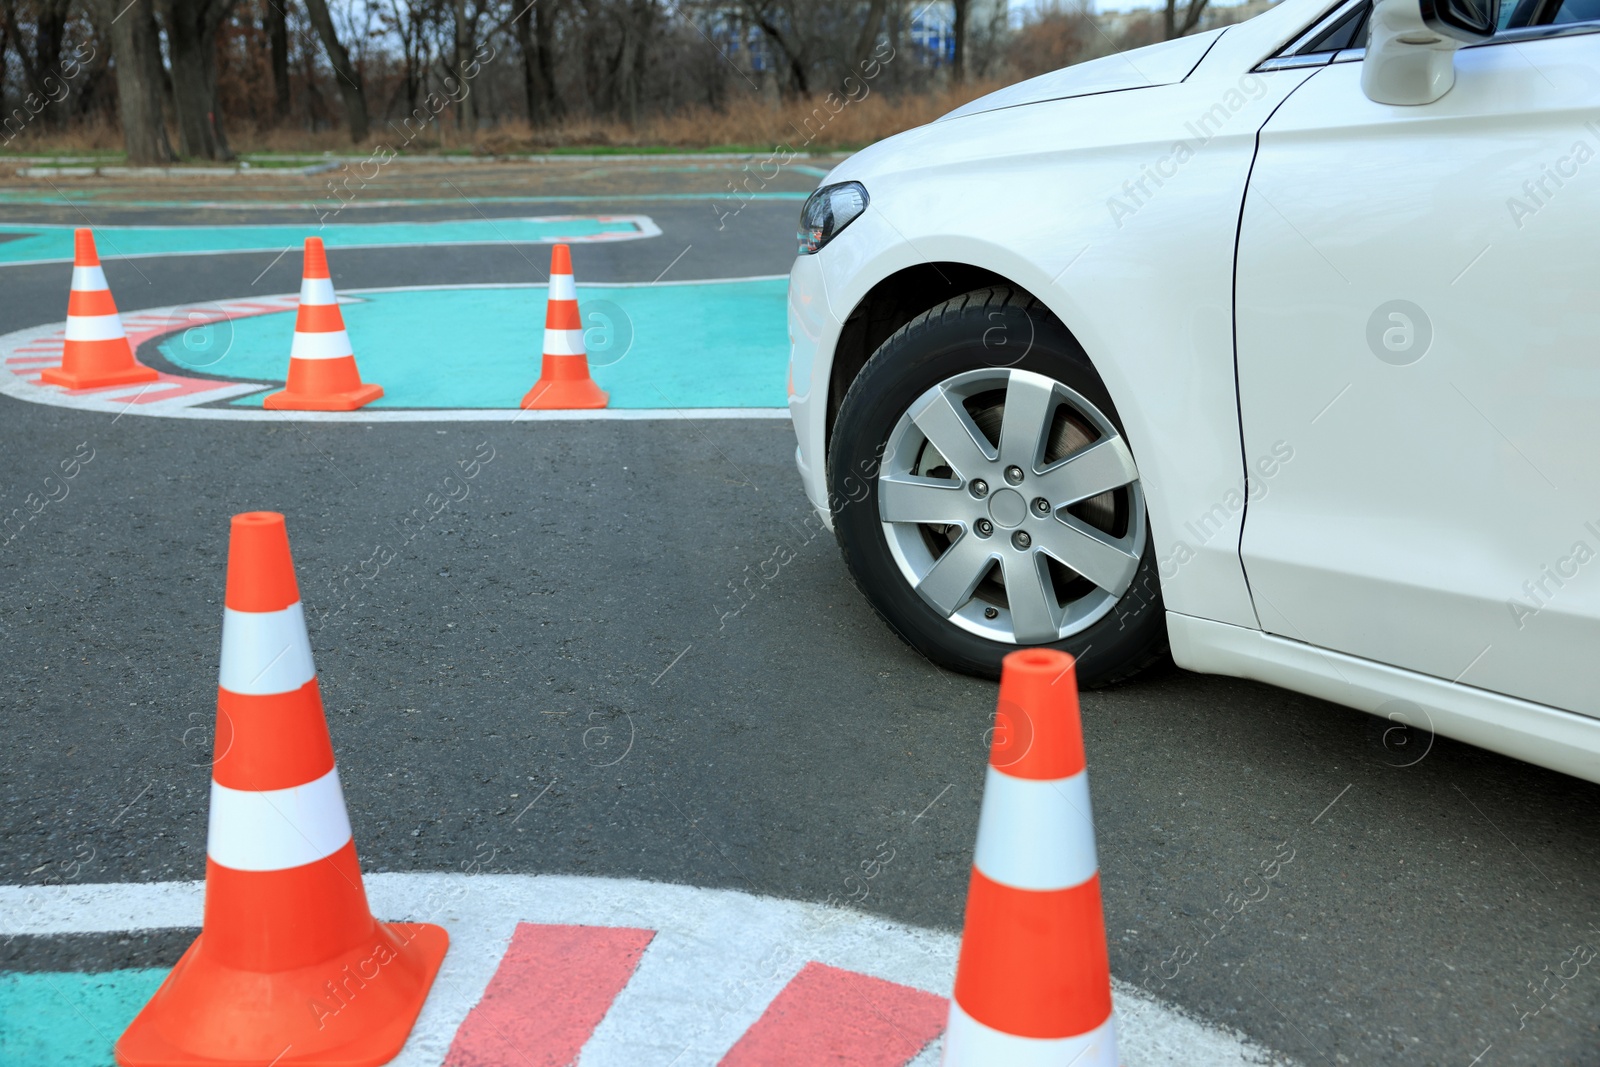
[(1021, 539), (1014, 475), (984, 527), (980, 488), (1041, 505), (991, 613)]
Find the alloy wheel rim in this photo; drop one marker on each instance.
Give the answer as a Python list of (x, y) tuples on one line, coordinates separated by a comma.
[(1012, 506)]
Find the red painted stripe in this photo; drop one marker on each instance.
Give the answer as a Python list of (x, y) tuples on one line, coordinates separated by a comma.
[(1037, 730), (1034, 963), (553, 986), (318, 318), (826, 1017), (562, 315), (91, 302)]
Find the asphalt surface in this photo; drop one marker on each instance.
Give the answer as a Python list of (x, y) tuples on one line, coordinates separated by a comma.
[(563, 638)]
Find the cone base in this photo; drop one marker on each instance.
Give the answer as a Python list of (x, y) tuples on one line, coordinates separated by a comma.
[(209, 1014), (559, 395), (98, 380), (283, 400)]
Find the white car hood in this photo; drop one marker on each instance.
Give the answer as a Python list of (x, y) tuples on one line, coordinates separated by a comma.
[(1155, 64)]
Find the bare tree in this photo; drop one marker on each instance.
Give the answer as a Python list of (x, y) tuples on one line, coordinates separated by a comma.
[(192, 47), (777, 23), (465, 45), (534, 26), (48, 21), (275, 24), (136, 52), (958, 63), (345, 72), (869, 33), (1192, 11)]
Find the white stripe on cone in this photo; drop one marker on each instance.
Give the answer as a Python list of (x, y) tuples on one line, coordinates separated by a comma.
[(332, 345), (563, 342), (89, 279), (967, 1041), (277, 829), (265, 652), (1019, 815), (562, 287), (317, 291), (94, 327)]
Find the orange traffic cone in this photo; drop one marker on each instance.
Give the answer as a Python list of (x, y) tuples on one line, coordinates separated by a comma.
[(322, 365), (1033, 981), (289, 967), (96, 352), (564, 380)]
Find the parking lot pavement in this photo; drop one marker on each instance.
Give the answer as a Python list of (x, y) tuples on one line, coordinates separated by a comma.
[(602, 629)]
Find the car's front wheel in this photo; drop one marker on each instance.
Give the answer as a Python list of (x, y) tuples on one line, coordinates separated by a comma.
[(986, 498)]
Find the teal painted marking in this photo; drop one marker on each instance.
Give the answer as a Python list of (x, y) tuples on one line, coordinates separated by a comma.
[(719, 344), (69, 1020), (42, 242)]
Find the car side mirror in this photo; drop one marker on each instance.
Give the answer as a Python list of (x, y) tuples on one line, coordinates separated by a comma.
[(1411, 46)]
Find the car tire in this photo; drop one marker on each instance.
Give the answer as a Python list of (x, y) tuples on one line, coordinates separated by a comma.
[(940, 377)]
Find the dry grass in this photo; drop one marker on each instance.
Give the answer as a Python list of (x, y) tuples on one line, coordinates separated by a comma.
[(749, 123)]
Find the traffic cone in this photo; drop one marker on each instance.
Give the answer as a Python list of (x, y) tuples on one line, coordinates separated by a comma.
[(322, 365), (564, 380), (1033, 981), (96, 352), (289, 967)]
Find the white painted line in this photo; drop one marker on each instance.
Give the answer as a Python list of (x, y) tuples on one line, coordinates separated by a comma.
[(716, 961), (644, 227)]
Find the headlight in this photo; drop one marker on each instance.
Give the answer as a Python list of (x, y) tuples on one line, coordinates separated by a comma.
[(828, 211)]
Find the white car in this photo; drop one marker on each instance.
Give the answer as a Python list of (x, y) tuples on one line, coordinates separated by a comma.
[(1260, 343)]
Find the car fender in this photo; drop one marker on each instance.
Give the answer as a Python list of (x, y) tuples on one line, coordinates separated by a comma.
[(1119, 212)]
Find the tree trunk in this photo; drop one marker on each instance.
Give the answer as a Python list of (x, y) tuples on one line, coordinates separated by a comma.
[(275, 22), (958, 62), (798, 80), (41, 65), (349, 79), (136, 51), (544, 32), (1170, 25), (192, 48), (530, 64), (466, 105), (869, 35)]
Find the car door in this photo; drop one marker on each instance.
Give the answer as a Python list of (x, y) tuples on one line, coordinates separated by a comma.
[(1418, 328)]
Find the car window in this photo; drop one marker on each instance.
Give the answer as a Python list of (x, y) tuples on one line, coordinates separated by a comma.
[(1574, 11), (1347, 31), (1349, 28)]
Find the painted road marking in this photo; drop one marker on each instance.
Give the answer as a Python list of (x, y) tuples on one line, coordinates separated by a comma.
[(553, 986), (717, 962), (53, 243), (713, 348), (323, 205), (827, 1016)]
